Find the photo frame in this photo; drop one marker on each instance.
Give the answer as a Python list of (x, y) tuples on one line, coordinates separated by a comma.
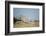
[(35, 12)]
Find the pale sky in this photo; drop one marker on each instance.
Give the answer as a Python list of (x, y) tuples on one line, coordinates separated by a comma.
[(31, 13)]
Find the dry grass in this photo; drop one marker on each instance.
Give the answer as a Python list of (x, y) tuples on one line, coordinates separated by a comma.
[(21, 24)]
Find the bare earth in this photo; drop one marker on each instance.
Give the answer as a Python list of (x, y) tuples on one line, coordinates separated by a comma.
[(21, 24)]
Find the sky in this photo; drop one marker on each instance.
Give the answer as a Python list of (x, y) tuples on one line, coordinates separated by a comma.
[(31, 13)]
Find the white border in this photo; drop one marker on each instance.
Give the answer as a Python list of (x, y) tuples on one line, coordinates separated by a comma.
[(24, 29)]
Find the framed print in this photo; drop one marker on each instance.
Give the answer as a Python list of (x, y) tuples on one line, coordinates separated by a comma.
[(24, 17)]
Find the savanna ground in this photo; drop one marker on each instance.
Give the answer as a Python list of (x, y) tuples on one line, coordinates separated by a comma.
[(21, 24)]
